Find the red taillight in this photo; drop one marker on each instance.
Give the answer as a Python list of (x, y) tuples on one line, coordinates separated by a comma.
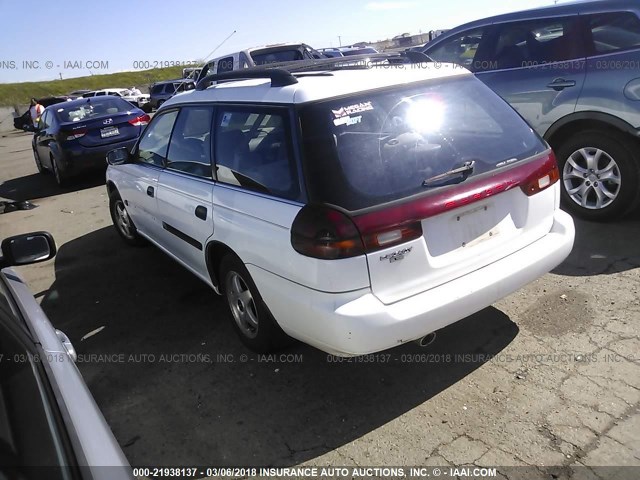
[(75, 134), (325, 233), (329, 234), (140, 121), (543, 178)]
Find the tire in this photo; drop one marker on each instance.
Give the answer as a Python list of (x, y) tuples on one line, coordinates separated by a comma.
[(599, 175), (61, 179), (146, 108), (250, 317), (122, 221), (38, 162)]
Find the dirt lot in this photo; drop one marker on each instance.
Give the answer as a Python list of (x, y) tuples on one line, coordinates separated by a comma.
[(548, 376)]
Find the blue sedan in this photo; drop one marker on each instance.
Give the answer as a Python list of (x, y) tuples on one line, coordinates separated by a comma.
[(74, 137)]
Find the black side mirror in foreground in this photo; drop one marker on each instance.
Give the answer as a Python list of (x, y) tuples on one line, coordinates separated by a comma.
[(26, 249), (118, 156)]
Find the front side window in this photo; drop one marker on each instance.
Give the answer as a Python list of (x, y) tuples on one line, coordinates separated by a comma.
[(253, 150), (190, 148), (612, 32), (379, 147), (460, 50), (154, 143)]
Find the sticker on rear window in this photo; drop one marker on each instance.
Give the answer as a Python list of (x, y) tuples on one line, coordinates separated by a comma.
[(226, 119), (347, 120), (351, 109)]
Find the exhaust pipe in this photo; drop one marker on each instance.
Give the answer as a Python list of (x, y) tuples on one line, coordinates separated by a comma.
[(426, 340)]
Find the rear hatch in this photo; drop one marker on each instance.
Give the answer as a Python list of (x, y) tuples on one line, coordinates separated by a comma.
[(101, 121), (440, 179)]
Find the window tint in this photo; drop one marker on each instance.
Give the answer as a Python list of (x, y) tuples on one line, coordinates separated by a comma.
[(380, 146), (614, 31), (190, 149), (170, 88), (100, 94), (265, 58), (460, 50), (44, 120), (156, 89), (153, 144), (532, 43), (252, 150), (225, 64)]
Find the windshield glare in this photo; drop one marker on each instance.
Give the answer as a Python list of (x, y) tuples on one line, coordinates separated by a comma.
[(379, 147)]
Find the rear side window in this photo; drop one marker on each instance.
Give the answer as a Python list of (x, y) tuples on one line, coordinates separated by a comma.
[(190, 148), (170, 88), (612, 32), (265, 58), (154, 143), (225, 64), (156, 89), (536, 42), (379, 147), (253, 150)]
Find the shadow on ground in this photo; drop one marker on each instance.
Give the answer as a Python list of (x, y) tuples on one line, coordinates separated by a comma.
[(42, 185), (604, 248), (168, 371)]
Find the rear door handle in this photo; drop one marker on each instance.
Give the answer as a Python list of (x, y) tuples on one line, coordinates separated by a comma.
[(201, 212), (560, 84), (150, 191)]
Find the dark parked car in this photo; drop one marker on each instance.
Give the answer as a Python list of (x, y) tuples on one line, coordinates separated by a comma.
[(160, 92), (571, 70), (75, 136), (51, 426), (23, 122)]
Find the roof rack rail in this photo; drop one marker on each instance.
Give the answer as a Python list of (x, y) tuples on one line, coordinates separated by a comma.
[(279, 77), (281, 73)]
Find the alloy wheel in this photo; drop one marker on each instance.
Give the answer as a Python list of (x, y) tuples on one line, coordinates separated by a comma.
[(242, 304), (591, 178)]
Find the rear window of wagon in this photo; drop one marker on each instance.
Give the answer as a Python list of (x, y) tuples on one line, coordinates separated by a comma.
[(378, 147)]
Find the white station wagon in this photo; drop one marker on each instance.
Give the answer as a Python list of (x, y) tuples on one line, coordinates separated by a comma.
[(354, 209)]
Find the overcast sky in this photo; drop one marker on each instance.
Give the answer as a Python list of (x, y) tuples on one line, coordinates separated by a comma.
[(122, 35)]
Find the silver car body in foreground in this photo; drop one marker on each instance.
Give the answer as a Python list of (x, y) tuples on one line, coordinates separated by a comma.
[(91, 450)]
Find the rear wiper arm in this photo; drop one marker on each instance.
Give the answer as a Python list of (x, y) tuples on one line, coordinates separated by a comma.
[(466, 168)]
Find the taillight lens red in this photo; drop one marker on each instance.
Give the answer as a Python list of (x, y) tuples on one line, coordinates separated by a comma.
[(543, 178), (74, 134), (140, 121), (325, 233)]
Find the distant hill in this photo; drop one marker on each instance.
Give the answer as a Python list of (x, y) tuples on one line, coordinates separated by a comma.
[(13, 94)]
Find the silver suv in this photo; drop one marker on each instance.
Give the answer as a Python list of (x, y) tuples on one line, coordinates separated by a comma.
[(573, 72)]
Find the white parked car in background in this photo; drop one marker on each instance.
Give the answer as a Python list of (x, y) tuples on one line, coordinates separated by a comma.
[(134, 97), (352, 209)]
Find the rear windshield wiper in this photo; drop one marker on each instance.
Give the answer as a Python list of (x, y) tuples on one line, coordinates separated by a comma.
[(465, 169)]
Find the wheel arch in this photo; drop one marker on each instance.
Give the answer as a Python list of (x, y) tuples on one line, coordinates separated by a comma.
[(214, 253), (111, 187), (582, 121)]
